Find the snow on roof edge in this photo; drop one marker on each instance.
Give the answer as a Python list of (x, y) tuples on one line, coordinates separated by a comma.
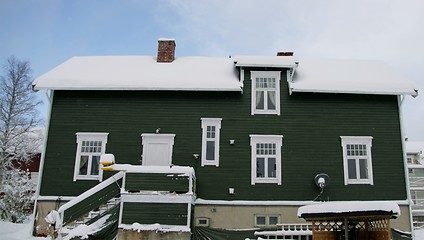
[(413, 94), (349, 206)]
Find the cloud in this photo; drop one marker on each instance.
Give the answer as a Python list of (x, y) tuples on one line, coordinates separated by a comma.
[(387, 30)]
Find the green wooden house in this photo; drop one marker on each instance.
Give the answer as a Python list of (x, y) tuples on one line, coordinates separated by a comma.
[(207, 144)]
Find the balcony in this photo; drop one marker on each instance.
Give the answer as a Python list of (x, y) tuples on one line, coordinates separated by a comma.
[(416, 183)]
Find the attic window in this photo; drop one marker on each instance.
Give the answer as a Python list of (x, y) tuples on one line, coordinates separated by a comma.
[(265, 92)]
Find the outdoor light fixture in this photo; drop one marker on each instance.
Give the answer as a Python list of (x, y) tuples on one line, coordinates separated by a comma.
[(321, 180)]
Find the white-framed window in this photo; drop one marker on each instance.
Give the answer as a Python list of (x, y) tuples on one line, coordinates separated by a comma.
[(262, 220), (211, 128), (266, 158), (90, 146), (357, 160), (265, 92)]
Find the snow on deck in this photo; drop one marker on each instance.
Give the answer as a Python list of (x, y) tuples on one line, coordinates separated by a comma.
[(349, 207), (151, 169), (349, 76), (141, 73)]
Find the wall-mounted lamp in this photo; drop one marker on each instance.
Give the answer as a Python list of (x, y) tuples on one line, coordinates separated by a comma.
[(231, 191), (321, 180), (232, 141), (195, 156)]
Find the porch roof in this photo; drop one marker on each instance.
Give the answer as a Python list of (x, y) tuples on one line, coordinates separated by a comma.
[(349, 209)]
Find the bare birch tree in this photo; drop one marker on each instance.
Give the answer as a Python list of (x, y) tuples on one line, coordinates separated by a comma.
[(19, 137)]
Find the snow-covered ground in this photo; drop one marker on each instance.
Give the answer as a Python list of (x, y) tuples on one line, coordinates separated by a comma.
[(13, 231)]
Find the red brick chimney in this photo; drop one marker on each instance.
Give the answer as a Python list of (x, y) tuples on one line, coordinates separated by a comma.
[(166, 50), (285, 54)]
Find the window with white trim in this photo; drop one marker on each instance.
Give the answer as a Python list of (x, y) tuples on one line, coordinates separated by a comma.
[(90, 146), (266, 220), (266, 158), (210, 141), (265, 92), (357, 160)]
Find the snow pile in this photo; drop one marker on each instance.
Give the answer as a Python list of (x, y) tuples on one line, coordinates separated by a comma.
[(15, 231), (83, 230), (154, 227)]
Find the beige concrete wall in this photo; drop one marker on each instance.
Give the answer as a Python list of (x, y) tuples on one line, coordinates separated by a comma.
[(240, 217), (403, 222)]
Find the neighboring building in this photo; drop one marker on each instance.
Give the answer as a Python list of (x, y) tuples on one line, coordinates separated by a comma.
[(32, 167), (225, 143), (415, 156)]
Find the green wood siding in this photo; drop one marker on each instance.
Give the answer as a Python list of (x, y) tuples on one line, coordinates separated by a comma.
[(311, 124), (156, 182), (151, 213)]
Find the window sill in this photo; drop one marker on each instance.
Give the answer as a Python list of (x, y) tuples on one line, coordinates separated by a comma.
[(95, 178), (265, 180)]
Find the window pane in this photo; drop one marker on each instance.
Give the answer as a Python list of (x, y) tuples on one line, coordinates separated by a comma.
[(273, 220), (260, 220), (260, 167), (272, 168), (95, 165), (363, 169), (210, 150), (260, 102), (351, 165), (271, 100), (83, 165)]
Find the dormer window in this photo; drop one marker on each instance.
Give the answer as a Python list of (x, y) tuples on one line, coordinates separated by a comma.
[(265, 92)]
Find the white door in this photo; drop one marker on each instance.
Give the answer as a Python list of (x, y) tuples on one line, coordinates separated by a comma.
[(157, 149)]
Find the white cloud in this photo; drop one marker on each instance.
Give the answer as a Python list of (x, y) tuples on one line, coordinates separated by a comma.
[(388, 30)]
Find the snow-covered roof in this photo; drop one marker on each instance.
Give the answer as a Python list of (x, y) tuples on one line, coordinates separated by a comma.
[(265, 61), (220, 74), (349, 208), (349, 76), (141, 73), (414, 147)]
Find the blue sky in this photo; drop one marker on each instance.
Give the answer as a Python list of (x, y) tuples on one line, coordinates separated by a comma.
[(48, 32)]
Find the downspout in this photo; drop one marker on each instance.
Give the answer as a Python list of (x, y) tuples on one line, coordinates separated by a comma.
[(43, 154), (400, 100)]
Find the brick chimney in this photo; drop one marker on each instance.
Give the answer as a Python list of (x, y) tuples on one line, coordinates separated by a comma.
[(285, 54), (166, 50)]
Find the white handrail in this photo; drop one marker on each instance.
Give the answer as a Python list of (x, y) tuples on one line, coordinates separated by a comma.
[(90, 192)]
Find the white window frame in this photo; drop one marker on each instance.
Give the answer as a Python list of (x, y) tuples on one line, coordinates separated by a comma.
[(273, 139), (365, 140), (216, 123), (265, 74), (85, 136), (267, 217)]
